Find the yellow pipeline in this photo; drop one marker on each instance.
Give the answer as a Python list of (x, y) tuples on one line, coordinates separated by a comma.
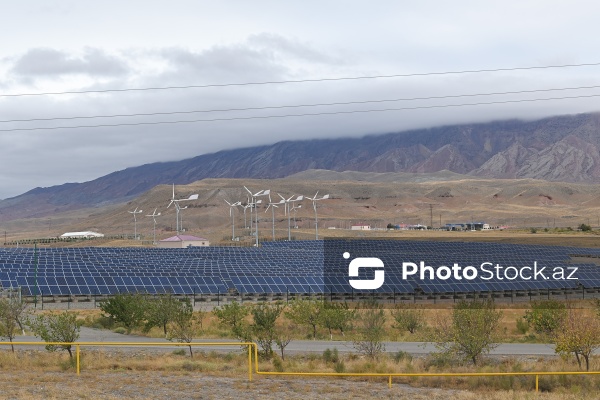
[(251, 345)]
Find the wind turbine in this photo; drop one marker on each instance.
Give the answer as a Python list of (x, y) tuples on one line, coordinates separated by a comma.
[(273, 207), (266, 192), (231, 207), (154, 215), (134, 212), (245, 207), (288, 210), (294, 208), (314, 202), (178, 207)]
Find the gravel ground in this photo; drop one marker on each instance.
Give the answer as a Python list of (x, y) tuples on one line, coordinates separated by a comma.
[(157, 385)]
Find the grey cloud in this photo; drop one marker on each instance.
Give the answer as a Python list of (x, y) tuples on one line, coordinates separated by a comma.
[(222, 64), (47, 62), (291, 47)]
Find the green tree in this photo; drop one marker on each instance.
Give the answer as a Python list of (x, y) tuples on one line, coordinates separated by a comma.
[(471, 332), (263, 326), (306, 312), (578, 334), (546, 316), (370, 330), (58, 328), (233, 316), (128, 309), (408, 318), (11, 315), (182, 324), (336, 316), (585, 228), (283, 337), (161, 311)]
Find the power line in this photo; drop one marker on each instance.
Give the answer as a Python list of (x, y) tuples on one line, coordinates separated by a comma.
[(297, 115), (299, 105), (304, 80)]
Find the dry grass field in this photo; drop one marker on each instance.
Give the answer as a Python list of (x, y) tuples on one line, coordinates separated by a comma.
[(519, 204), (142, 374)]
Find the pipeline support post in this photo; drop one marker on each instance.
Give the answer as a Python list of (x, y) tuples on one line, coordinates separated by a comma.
[(78, 358)]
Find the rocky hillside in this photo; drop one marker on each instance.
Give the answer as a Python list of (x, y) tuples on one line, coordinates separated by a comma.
[(564, 148)]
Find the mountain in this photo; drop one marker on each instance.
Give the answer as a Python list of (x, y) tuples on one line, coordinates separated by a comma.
[(564, 148)]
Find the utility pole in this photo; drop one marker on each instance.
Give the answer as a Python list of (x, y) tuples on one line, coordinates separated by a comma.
[(431, 215)]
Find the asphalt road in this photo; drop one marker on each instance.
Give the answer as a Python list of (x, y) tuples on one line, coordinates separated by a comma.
[(305, 346)]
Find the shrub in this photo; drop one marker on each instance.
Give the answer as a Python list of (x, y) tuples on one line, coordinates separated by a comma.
[(340, 367), (402, 355), (585, 228), (546, 316), (522, 325), (277, 364), (331, 356)]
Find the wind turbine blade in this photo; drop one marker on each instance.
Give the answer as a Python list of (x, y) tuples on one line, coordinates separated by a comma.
[(172, 201), (282, 198), (265, 192), (247, 190), (289, 199), (228, 202), (173, 192), (299, 198), (316, 194), (325, 197), (193, 197)]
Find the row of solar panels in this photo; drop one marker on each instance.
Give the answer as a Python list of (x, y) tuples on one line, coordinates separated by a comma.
[(294, 267)]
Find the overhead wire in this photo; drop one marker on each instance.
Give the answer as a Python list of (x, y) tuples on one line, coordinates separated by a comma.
[(304, 80), (297, 115), (299, 105)]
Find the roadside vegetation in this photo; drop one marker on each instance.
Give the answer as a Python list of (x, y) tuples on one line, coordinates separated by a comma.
[(464, 334)]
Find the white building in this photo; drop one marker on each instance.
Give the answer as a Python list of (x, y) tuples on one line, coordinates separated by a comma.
[(81, 235), (361, 227), (183, 241)]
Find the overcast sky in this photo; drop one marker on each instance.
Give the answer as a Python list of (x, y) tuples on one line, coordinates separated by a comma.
[(60, 46)]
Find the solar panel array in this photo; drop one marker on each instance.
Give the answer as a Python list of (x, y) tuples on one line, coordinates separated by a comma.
[(549, 261), (280, 267)]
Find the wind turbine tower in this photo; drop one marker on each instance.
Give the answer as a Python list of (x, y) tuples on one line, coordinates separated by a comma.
[(256, 202), (134, 212), (273, 207), (178, 207), (288, 210), (314, 202), (154, 215), (232, 206)]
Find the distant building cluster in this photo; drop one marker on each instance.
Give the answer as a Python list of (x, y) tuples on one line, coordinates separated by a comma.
[(468, 226), (183, 241), (81, 235)]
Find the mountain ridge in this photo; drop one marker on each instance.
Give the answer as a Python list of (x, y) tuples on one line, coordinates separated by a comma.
[(562, 148)]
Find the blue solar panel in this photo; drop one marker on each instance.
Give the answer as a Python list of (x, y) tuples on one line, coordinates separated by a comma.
[(277, 267)]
